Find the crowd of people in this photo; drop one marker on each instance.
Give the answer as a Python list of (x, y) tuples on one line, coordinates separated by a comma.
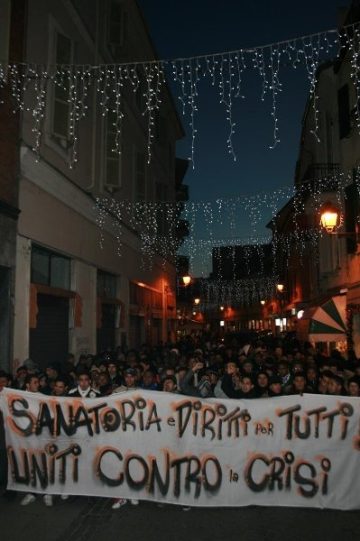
[(195, 367)]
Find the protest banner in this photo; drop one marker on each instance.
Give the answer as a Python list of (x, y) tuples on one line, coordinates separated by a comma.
[(287, 451)]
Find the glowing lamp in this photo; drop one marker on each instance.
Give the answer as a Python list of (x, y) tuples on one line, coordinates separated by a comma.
[(186, 280), (197, 301), (280, 287), (329, 217)]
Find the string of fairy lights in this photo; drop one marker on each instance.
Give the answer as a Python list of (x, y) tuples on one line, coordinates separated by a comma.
[(32, 85), (158, 224), (161, 225)]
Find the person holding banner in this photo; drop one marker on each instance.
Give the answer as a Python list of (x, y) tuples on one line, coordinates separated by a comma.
[(130, 385), (60, 387), (169, 384), (84, 389), (5, 380), (354, 386), (32, 385), (130, 381)]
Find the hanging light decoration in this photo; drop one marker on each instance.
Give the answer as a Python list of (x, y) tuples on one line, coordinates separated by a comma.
[(31, 83)]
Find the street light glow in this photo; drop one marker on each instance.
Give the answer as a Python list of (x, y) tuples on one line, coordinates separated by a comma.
[(329, 218)]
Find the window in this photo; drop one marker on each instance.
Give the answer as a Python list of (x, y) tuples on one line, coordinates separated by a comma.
[(106, 284), (112, 156), (49, 268), (140, 176), (5, 10), (344, 111), (117, 27), (61, 106)]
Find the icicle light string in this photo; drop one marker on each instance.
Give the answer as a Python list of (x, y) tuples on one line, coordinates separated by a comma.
[(157, 223), (29, 84), (236, 293)]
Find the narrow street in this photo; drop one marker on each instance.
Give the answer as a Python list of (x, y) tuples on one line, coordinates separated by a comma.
[(93, 519)]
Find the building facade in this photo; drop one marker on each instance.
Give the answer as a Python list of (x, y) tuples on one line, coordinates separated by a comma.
[(73, 291), (12, 36), (327, 170)]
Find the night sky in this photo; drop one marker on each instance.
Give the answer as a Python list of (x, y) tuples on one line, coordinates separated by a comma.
[(182, 28)]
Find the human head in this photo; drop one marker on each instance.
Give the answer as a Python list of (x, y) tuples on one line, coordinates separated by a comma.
[(311, 373), (169, 384), (21, 373), (324, 380), (83, 379), (148, 378), (104, 379), (246, 384), (94, 372), (262, 380), (51, 372), (297, 367), (283, 368), (335, 385), (32, 383), (213, 376), (112, 369), (169, 371), (102, 366), (231, 368), (4, 380), (43, 380), (354, 386), (31, 366), (299, 382), (275, 385), (60, 386), (71, 358), (247, 367), (130, 377)]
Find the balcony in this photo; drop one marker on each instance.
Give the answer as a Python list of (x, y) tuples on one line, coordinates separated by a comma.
[(319, 175)]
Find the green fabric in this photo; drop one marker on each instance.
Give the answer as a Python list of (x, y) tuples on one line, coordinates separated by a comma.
[(331, 309), (320, 328)]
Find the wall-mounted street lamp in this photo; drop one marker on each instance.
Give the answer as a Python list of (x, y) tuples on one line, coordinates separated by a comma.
[(197, 301), (222, 308), (186, 280), (280, 287), (331, 219), (262, 302)]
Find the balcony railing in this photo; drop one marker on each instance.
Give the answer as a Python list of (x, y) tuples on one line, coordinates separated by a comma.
[(320, 176)]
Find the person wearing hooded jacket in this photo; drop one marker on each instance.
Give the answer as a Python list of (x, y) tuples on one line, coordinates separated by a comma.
[(196, 382)]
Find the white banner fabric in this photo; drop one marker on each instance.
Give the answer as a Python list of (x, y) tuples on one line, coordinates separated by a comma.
[(299, 451)]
